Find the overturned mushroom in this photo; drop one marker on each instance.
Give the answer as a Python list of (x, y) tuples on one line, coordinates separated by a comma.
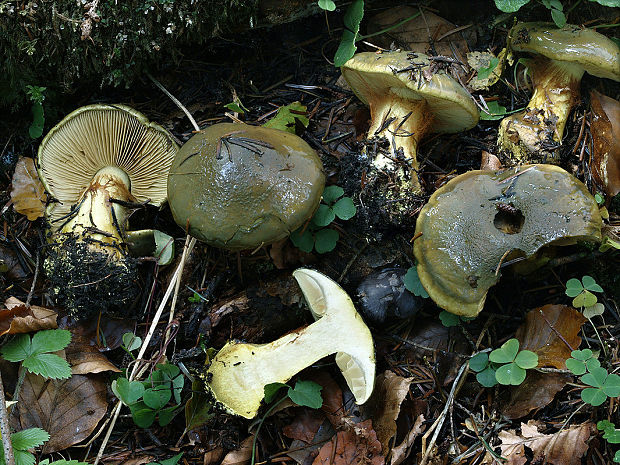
[(408, 99), (95, 163), (560, 57), (238, 373), (238, 186), (482, 219)]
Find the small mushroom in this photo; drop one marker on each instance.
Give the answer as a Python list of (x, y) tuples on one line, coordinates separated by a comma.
[(94, 163), (560, 57), (482, 219), (238, 373), (238, 186), (408, 98)]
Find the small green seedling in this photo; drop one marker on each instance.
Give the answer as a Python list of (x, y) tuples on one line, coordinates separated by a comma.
[(171, 461), (412, 283), (450, 319), (130, 343), (22, 441), (327, 5), (62, 462), (602, 383), (485, 71), (611, 434), (149, 399), (34, 353), (505, 365), (236, 106), (288, 117), (582, 291), (600, 200), (496, 111), (315, 235), (36, 95)]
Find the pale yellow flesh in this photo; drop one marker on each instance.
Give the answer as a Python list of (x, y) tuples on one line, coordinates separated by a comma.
[(239, 372)]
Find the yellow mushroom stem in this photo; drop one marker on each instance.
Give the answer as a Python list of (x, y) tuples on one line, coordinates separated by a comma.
[(98, 219), (535, 133), (409, 123)]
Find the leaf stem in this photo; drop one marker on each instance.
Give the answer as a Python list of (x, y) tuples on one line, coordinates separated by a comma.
[(260, 424)]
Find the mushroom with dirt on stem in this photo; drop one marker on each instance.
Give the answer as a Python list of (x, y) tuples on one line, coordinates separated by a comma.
[(97, 163), (560, 57), (238, 373), (408, 98)]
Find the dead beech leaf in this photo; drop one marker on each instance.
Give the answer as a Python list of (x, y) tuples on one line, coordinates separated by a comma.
[(69, 410), (333, 404), (402, 451), (305, 425), (605, 129), (85, 359), (537, 391), (241, 456), (111, 328), (358, 444), (390, 391), (10, 265), (18, 318), (27, 192), (566, 447), (490, 162), (541, 333)]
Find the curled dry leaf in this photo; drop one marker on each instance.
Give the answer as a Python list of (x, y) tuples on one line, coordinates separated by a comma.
[(605, 129), (18, 318), (537, 391), (552, 332), (27, 192), (402, 451), (490, 162), (358, 444), (390, 391), (85, 359), (242, 455), (305, 425), (69, 410), (565, 447)]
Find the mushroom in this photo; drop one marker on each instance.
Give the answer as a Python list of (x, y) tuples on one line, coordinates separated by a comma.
[(95, 163), (238, 373), (480, 220), (605, 130), (561, 56), (408, 99), (237, 186)]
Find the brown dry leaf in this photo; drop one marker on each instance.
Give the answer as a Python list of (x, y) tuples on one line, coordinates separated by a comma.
[(305, 425), (10, 265), (107, 328), (27, 192), (333, 404), (566, 447), (390, 391), (85, 359), (69, 410), (213, 456), (285, 255), (138, 460), (357, 445), (241, 456), (537, 391), (605, 129), (18, 318), (402, 451), (541, 333), (490, 162)]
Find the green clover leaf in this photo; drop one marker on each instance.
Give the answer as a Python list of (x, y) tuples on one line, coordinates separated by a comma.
[(506, 353)]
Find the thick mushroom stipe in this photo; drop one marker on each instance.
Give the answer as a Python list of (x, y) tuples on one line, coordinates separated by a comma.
[(561, 58), (481, 219), (238, 373), (237, 186)]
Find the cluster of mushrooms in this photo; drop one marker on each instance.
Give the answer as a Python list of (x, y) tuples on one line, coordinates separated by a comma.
[(239, 187)]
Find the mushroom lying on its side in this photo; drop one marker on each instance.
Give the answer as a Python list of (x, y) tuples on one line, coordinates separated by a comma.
[(481, 219), (239, 372), (237, 186), (560, 57), (407, 100), (96, 162)]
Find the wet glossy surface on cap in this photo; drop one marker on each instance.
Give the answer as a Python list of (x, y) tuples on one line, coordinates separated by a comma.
[(461, 248), (238, 186)]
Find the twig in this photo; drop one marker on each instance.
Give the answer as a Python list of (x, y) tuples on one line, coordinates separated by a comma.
[(34, 282), (176, 288), (175, 100), (5, 430)]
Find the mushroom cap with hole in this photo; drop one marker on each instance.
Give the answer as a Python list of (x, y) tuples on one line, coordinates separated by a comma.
[(98, 137), (481, 219), (239, 372), (595, 53), (379, 77), (237, 186)]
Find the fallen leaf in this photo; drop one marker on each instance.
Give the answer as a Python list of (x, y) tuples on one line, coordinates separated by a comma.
[(10, 265), (566, 447), (552, 332), (358, 444), (198, 407), (333, 404), (490, 162), (241, 456), (69, 410), (139, 460), (213, 456), (19, 318), (402, 451), (305, 425), (605, 130), (96, 331), (27, 192), (85, 359), (537, 391), (285, 255), (390, 391)]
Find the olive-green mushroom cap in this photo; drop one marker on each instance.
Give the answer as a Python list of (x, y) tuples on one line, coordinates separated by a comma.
[(595, 53), (472, 224), (378, 78), (237, 186)]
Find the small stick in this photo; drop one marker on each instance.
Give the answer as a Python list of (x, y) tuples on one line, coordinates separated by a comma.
[(5, 430)]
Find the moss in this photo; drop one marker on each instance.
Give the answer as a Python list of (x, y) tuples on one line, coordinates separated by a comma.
[(42, 41)]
